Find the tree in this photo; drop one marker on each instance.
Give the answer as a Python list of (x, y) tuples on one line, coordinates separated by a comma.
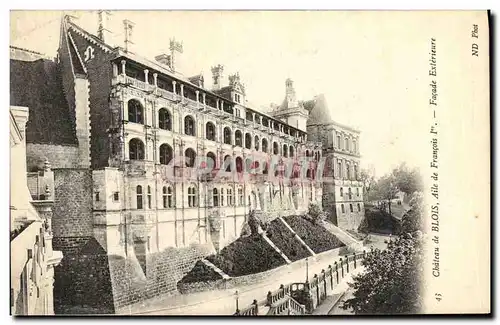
[(408, 180), (315, 214), (391, 283), (413, 219), (387, 189), (368, 180)]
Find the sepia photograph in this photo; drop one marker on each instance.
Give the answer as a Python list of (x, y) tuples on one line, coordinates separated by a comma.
[(249, 163)]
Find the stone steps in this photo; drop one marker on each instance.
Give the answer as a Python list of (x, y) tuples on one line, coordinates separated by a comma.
[(343, 236), (269, 241), (215, 268), (298, 237)]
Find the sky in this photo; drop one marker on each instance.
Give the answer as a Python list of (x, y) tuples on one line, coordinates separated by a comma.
[(369, 65)]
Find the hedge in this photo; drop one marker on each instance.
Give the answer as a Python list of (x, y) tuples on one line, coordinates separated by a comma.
[(315, 236), (247, 255), (285, 240)]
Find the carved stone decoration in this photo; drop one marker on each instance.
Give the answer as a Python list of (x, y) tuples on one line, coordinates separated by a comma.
[(214, 222)]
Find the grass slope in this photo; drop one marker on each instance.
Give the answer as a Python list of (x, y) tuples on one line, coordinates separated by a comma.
[(285, 240)]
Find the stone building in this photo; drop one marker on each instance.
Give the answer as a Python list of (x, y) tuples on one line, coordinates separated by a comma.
[(147, 162), (342, 187), (32, 257)]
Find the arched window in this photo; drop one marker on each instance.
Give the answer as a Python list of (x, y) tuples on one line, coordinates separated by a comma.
[(350, 207), (192, 202), (238, 138), (138, 192), (210, 131), (136, 149), (239, 164), (308, 173), (190, 157), (166, 154), (285, 151), (339, 144), (149, 197), (227, 135), (215, 197), (275, 148), (230, 197), (347, 171), (264, 145), (350, 194), (135, 111), (339, 169), (211, 159), (189, 126), (307, 153), (221, 197), (292, 152), (164, 119), (227, 163), (256, 143), (248, 141), (341, 191), (342, 207), (167, 197), (346, 144)]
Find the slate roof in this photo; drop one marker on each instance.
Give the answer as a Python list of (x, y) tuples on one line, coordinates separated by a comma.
[(37, 84)]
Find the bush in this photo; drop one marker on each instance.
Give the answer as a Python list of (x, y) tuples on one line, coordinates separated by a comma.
[(247, 255), (378, 221), (200, 273), (282, 237), (316, 237)]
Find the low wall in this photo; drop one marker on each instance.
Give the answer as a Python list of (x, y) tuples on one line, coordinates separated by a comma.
[(221, 284)]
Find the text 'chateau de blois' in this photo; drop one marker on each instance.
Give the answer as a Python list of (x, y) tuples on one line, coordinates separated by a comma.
[(127, 159)]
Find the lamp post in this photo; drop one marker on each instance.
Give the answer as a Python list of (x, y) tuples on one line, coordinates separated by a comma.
[(237, 295), (307, 269)]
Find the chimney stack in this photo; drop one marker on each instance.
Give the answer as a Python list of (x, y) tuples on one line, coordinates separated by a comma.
[(218, 76), (176, 49), (129, 26), (103, 32)]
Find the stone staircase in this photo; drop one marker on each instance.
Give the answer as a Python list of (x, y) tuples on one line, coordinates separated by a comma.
[(343, 236), (298, 237), (215, 268), (269, 241)]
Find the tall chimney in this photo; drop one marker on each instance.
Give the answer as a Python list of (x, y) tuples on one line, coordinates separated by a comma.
[(218, 76), (103, 32), (176, 49), (129, 26)]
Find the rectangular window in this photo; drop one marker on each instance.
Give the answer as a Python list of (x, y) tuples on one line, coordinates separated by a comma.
[(116, 196), (97, 196)]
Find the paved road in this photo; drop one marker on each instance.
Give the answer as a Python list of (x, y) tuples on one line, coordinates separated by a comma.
[(222, 302), (337, 308)]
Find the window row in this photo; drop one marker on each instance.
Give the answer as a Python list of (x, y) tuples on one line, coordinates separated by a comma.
[(347, 171), (351, 208), (224, 197), (349, 194), (347, 144)]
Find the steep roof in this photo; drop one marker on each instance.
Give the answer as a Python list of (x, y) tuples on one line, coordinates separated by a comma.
[(37, 84), (319, 113)]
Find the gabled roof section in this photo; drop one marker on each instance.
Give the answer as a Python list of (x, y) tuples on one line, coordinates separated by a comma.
[(320, 114), (88, 36)]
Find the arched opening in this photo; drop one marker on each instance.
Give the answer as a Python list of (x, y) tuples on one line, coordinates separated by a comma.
[(292, 152), (166, 154), (135, 111), (189, 126), (164, 119), (256, 143), (210, 131), (190, 157), (136, 149), (275, 148), (285, 151), (264, 145), (248, 141), (238, 138), (211, 159), (227, 135), (239, 164)]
